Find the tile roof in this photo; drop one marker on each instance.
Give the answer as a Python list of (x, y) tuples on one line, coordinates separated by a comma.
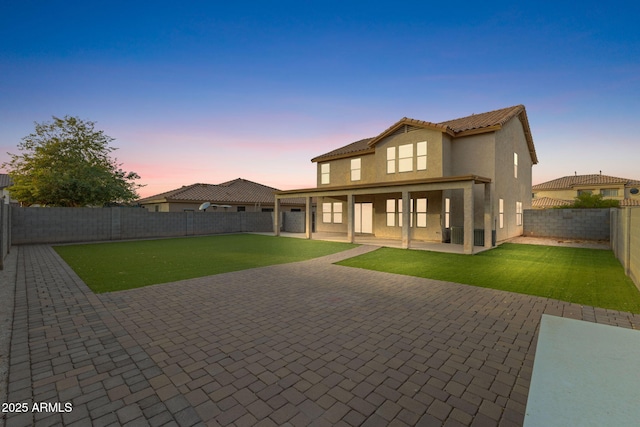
[(548, 202), (361, 146), (629, 202), (483, 120), (571, 181), (475, 123), (234, 191), (5, 180)]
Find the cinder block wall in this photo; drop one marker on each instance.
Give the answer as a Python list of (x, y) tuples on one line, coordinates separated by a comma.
[(625, 240), (5, 231), (294, 222), (584, 224), (65, 225)]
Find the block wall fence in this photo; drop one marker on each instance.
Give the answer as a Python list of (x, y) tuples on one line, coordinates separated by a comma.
[(68, 225), (583, 224), (625, 240), (18, 226), (5, 231)]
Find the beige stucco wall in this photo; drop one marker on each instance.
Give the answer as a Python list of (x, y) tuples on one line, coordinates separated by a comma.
[(433, 231), (491, 155), (322, 226), (434, 155), (628, 195), (472, 155), (374, 166), (556, 194), (510, 139)]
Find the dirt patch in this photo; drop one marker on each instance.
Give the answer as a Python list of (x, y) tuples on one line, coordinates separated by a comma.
[(572, 243)]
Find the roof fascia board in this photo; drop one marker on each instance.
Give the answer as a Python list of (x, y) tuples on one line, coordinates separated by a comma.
[(343, 156), (524, 120), (478, 131), (384, 187)]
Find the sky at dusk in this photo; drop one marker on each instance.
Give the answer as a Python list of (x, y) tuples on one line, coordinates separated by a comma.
[(210, 91)]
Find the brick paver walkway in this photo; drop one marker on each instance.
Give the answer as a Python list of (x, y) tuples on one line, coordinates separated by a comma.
[(308, 343)]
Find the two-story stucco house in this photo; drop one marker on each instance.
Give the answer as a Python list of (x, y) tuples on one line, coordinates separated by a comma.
[(433, 182)]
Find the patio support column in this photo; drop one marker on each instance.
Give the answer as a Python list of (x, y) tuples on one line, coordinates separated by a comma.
[(350, 217), (406, 220), (276, 217), (488, 215), (468, 218), (308, 217)]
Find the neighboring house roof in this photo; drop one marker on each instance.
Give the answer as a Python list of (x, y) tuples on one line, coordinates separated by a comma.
[(549, 202), (5, 180), (234, 191), (476, 123), (629, 202), (569, 182)]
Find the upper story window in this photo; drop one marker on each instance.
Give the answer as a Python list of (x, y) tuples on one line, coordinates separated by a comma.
[(325, 170), (391, 159), (356, 167), (405, 158), (584, 192), (515, 165), (421, 155), (609, 192)]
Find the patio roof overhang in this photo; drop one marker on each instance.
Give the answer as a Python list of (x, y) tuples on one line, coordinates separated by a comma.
[(432, 184)]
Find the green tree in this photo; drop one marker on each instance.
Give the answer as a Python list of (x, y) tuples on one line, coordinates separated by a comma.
[(67, 162), (589, 201)]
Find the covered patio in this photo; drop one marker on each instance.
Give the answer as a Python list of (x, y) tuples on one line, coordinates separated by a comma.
[(406, 189)]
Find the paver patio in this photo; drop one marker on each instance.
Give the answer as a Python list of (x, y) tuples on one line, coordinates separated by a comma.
[(307, 343)]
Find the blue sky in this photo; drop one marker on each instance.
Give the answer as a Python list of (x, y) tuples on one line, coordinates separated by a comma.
[(206, 91)]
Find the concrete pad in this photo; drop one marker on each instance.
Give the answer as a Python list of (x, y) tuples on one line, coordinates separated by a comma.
[(584, 374)]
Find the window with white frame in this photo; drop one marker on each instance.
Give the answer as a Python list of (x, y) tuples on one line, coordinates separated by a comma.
[(447, 212), (518, 213), (332, 212), (325, 170), (391, 159), (421, 213), (356, 165), (501, 213), (326, 213), (609, 192), (421, 155), (405, 158), (515, 165), (391, 212), (337, 213)]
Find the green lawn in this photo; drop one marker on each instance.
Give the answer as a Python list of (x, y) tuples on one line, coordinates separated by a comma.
[(108, 267), (584, 276)]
